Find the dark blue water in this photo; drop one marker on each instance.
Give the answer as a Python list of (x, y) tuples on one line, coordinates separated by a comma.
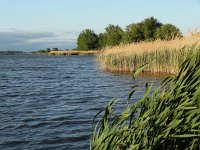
[(49, 102)]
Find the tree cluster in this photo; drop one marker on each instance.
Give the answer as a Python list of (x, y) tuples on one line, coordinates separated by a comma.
[(45, 51), (149, 29)]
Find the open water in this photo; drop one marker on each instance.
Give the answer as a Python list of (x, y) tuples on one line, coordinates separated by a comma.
[(49, 102)]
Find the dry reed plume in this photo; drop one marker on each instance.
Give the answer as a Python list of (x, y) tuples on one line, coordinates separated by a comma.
[(74, 52), (162, 56)]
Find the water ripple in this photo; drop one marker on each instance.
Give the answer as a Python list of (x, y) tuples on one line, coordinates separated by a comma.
[(49, 102)]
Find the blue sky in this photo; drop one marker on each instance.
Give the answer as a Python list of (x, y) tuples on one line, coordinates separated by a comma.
[(38, 24)]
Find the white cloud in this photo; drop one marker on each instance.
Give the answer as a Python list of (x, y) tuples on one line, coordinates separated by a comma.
[(24, 40)]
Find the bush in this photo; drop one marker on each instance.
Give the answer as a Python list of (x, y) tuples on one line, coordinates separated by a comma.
[(102, 40), (149, 26), (48, 49), (55, 49), (168, 32), (87, 40), (133, 33), (114, 35)]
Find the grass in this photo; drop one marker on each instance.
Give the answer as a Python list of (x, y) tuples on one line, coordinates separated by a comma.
[(167, 119), (74, 52), (162, 56)]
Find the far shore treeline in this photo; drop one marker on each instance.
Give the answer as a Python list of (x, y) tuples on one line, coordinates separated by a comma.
[(9, 52), (149, 29)]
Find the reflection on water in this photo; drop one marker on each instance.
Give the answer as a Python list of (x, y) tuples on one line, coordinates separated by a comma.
[(49, 102)]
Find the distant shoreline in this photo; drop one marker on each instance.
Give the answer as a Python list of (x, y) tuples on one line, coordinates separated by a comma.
[(54, 53), (74, 52), (12, 52)]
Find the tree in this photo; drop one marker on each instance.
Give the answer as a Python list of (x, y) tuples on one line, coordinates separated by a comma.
[(114, 35), (87, 40), (102, 40), (168, 32), (133, 33), (48, 49), (149, 26), (55, 49)]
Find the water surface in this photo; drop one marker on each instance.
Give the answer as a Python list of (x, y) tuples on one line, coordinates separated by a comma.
[(49, 102)]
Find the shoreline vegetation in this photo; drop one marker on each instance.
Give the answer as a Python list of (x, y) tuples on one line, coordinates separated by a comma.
[(161, 56), (75, 52), (161, 46), (9, 52), (166, 118)]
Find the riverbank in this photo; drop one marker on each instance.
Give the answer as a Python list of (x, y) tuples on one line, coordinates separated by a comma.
[(74, 52), (165, 118), (162, 56)]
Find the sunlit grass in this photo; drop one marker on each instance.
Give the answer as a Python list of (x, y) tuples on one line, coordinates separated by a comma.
[(167, 119)]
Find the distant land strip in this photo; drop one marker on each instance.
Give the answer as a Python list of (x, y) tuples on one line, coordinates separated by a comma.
[(74, 52)]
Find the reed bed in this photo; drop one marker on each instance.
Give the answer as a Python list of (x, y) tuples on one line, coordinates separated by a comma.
[(162, 56), (74, 52), (166, 119)]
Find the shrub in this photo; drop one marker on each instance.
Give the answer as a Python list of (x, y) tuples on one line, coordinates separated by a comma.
[(87, 40), (133, 33), (114, 35), (149, 26), (55, 49), (102, 40), (168, 32)]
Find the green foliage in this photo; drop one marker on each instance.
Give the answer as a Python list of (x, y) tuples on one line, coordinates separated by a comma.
[(102, 40), (45, 51), (114, 35), (48, 49), (55, 49), (149, 26), (133, 33), (167, 32), (167, 119), (87, 40), (147, 30)]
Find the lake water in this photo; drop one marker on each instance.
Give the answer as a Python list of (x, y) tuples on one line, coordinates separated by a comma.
[(49, 102)]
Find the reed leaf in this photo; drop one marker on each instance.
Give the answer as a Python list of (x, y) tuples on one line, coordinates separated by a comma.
[(167, 118)]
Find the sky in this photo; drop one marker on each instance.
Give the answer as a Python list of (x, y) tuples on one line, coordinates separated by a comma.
[(39, 24)]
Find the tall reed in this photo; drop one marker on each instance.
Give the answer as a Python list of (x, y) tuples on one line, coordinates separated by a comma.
[(167, 119), (162, 56), (74, 52)]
